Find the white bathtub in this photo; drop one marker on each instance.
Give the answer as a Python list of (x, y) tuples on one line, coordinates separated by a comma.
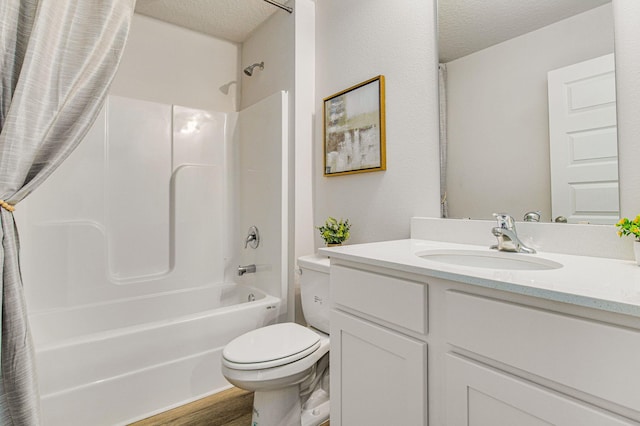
[(113, 363)]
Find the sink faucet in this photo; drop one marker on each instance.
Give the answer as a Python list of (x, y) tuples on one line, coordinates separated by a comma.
[(247, 269), (507, 236)]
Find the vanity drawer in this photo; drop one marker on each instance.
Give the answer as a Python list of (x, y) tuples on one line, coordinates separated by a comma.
[(394, 300), (593, 357)]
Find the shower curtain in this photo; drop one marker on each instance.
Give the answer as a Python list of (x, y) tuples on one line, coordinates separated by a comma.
[(57, 59), (442, 92)]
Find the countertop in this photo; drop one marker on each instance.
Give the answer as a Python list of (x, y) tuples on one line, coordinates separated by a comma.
[(598, 283)]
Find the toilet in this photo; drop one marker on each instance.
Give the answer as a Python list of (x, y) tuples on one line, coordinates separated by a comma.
[(287, 364)]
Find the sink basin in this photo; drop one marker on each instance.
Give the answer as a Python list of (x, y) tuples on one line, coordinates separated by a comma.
[(490, 259)]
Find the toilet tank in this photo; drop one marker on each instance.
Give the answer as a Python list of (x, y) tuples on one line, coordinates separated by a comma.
[(314, 290)]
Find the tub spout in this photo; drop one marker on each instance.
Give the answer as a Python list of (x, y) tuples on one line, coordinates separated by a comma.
[(247, 269)]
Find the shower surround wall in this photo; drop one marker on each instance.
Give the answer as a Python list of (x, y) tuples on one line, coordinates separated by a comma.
[(129, 253), (263, 192), (104, 221)]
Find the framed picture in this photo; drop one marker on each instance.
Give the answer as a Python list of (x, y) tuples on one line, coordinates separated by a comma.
[(354, 129)]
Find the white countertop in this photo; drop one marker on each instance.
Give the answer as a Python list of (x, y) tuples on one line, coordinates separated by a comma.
[(599, 283)]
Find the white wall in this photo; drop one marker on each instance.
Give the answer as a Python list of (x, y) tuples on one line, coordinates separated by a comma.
[(172, 65), (304, 104), (272, 43), (286, 44), (627, 34), (498, 108), (357, 40)]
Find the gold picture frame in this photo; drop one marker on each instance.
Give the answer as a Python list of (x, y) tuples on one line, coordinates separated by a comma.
[(354, 129)]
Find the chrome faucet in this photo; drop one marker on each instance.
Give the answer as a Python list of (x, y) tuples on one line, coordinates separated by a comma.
[(247, 269), (507, 236)]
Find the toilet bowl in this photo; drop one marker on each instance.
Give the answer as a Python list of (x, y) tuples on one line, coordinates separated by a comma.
[(287, 364)]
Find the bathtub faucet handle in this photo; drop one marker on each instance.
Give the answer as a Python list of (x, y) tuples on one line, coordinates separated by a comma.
[(247, 269), (253, 238)]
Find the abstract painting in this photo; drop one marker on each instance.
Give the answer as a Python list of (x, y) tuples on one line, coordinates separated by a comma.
[(354, 129)]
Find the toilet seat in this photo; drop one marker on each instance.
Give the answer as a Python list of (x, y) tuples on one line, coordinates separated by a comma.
[(276, 377), (270, 346)]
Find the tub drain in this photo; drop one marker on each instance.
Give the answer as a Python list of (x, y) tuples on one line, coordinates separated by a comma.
[(251, 297)]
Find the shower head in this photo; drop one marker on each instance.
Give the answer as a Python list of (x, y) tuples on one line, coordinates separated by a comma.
[(249, 70)]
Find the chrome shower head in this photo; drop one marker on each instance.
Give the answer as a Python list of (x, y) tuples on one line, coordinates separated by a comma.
[(249, 70)]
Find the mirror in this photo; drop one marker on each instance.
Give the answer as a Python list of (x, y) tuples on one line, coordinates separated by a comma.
[(497, 57)]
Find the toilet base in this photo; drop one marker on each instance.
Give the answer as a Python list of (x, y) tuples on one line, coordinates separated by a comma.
[(280, 407), (316, 410)]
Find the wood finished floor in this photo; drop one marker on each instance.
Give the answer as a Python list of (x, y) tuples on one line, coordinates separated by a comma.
[(229, 408)]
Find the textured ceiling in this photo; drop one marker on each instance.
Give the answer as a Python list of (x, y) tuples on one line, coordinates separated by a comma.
[(232, 20), (466, 26)]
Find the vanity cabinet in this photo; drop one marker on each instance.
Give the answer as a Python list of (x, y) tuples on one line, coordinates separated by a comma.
[(479, 395), (379, 371), (587, 356), (494, 358), (381, 374)]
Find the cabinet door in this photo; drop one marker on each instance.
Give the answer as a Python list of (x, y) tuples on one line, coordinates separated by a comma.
[(482, 396), (378, 377)]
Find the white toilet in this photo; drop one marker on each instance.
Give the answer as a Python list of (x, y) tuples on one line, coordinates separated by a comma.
[(287, 365)]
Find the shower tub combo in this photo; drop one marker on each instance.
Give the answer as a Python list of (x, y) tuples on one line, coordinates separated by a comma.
[(132, 293)]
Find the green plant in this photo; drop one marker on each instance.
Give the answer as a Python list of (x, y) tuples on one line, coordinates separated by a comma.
[(334, 231), (629, 227)]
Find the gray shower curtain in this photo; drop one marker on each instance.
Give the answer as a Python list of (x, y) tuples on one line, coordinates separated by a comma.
[(444, 141), (57, 59)]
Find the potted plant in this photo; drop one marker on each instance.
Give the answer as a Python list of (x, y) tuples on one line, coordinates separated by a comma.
[(334, 232), (631, 227)]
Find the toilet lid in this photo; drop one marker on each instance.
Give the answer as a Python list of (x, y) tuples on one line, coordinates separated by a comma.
[(271, 346)]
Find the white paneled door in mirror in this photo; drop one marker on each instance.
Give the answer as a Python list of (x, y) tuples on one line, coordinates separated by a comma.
[(583, 142)]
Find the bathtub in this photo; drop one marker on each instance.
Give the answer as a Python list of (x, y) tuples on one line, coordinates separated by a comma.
[(114, 363)]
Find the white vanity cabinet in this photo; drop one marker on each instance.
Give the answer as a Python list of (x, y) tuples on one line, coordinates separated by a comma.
[(479, 395), (378, 361), (557, 363), (495, 358)]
